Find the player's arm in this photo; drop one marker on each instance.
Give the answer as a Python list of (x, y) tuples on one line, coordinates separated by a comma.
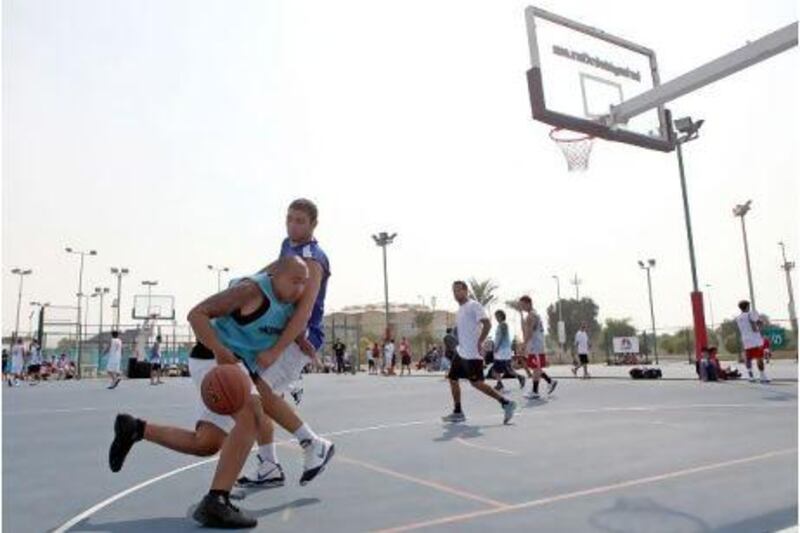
[(221, 304), (487, 325), (297, 325), (527, 331)]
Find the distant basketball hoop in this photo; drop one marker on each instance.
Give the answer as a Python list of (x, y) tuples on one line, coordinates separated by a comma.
[(576, 147)]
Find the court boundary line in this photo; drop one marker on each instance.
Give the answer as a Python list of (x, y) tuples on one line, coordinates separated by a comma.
[(462, 517), (119, 495), (441, 487)]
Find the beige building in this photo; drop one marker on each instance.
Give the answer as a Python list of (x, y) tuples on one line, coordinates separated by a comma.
[(365, 324)]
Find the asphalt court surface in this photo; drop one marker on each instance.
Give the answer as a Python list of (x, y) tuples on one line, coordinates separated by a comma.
[(600, 455)]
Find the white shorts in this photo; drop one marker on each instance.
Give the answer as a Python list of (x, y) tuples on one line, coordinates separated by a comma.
[(16, 365), (279, 377), (113, 363)]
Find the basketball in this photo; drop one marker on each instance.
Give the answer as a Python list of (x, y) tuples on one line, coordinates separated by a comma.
[(225, 389)]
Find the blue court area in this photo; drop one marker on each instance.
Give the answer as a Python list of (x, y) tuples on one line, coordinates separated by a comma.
[(608, 455)]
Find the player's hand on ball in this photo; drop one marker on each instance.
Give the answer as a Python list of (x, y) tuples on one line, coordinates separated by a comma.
[(225, 357)]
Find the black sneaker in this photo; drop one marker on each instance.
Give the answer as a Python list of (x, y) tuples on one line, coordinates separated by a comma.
[(521, 382), (499, 386), (219, 512), (551, 387), (126, 433)]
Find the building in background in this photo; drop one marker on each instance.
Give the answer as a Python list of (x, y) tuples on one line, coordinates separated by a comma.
[(359, 325)]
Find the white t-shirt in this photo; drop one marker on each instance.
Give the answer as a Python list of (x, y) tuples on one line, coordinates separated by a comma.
[(115, 349), (468, 322), (388, 350), (751, 337), (582, 342)]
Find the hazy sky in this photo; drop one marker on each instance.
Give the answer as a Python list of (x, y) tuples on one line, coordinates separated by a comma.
[(172, 134)]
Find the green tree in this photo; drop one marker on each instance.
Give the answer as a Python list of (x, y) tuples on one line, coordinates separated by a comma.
[(424, 337), (574, 313), (483, 291), (616, 327)]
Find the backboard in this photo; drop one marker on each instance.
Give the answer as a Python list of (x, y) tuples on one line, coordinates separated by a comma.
[(155, 307), (578, 72)]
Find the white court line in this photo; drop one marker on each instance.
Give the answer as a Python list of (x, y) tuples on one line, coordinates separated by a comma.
[(484, 448), (104, 503), (586, 492)]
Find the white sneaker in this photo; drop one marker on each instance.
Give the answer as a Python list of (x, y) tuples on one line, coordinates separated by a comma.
[(316, 454), (531, 396), (751, 379), (266, 475)]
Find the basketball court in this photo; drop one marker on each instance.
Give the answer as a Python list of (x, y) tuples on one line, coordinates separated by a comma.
[(602, 455)]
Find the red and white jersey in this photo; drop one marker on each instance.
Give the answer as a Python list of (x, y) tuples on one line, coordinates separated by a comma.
[(748, 329)]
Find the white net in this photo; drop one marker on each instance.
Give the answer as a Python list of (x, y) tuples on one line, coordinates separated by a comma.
[(576, 147)]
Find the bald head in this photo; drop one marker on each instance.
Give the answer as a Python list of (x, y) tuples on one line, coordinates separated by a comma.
[(289, 278)]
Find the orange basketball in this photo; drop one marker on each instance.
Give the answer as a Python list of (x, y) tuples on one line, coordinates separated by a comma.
[(225, 389)]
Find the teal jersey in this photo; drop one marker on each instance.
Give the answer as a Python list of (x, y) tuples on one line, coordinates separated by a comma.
[(250, 335)]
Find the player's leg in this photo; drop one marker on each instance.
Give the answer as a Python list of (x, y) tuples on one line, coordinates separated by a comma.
[(317, 451), (216, 510), (475, 377), (268, 472)]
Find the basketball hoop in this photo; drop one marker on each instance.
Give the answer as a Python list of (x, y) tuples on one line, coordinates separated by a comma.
[(576, 147)]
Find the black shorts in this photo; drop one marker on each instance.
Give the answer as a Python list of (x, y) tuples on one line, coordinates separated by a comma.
[(155, 366), (371, 363), (583, 358), (503, 367), (34, 369), (469, 369), (406, 360)]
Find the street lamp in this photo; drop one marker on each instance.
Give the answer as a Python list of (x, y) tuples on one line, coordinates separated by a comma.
[(689, 131), (219, 271), (21, 273), (788, 266), (651, 263), (562, 332), (383, 240), (101, 292), (41, 306), (119, 272), (740, 211), (83, 254), (149, 284), (577, 282)]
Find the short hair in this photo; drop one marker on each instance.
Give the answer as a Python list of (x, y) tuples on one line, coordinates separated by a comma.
[(114, 334), (526, 299), (744, 305), (500, 314), (158, 338), (461, 284), (306, 206)]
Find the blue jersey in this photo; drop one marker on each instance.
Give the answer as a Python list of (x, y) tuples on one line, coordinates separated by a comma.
[(312, 251), (248, 336)]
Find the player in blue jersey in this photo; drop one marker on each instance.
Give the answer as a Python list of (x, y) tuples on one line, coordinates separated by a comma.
[(303, 336), (236, 326)]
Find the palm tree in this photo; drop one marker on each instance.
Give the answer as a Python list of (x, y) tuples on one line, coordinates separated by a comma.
[(483, 291)]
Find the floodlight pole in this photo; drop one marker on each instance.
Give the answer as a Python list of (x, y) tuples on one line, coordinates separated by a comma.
[(698, 309), (83, 254), (119, 272), (788, 266), (740, 211), (383, 240), (21, 273)]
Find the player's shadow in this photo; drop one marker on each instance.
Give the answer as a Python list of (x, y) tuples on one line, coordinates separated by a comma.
[(288, 507), (463, 431), (165, 524), (632, 515)]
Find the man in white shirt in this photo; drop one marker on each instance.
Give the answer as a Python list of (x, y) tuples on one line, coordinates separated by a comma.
[(114, 359), (388, 358), (473, 327), (752, 341), (17, 363), (582, 347)]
